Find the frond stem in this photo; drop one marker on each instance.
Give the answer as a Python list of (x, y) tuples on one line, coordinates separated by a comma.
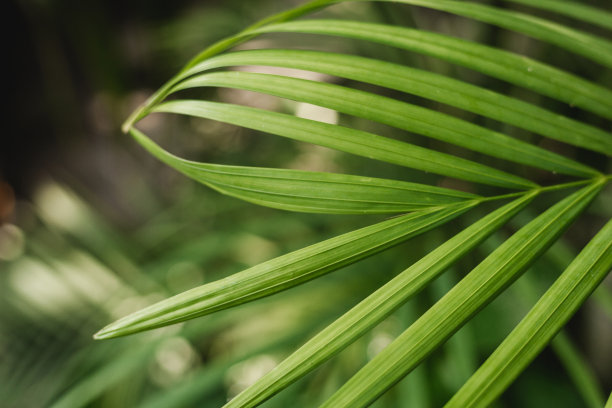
[(604, 178)]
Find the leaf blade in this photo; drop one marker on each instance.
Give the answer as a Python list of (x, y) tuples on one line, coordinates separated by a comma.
[(540, 325), (480, 286), (374, 308), (347, 140), (306, 191), (398, 114), (575, 10), (427, 85), (501, 64), (283, 272), (595, 48)]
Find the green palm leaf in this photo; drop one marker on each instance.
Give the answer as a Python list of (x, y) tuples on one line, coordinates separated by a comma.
[(395, 113), (432, 206), (590, 46), (575, 10), (519, 70), (375, 308), (305, 191), (284, 272), (422, 83), (478, 288), (348, 140), (544, 320)]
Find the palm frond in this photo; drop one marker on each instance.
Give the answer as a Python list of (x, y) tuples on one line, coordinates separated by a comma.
[(478, 288), (495, 158), (544, 320)]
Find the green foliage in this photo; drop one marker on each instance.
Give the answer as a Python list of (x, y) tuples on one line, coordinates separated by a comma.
[(544, 320), (304, 191), (284, 272), (444, 128), (481, 285)]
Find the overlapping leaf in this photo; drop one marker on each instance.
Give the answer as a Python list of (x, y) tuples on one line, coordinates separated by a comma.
[(425, 84), (572, 9), (478, 288), (348, 140), (523, 71), (544, 320), (590, 46), (309, 191), (399, 114), (375, 308), (519, 70)]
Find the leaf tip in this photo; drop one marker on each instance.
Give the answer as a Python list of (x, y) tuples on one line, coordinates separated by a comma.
[(125, 128), (102, 335), (108, 332)]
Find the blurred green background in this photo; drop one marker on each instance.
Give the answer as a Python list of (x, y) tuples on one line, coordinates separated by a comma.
[(92, 228)]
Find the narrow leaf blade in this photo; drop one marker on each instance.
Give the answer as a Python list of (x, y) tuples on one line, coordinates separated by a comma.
[(347, 140), (398, 114), (374, 308), (517, 69), (283, 272), (574, 10), (473, 292), (427, 85), (540, 325), (306, 191), (587, 45)]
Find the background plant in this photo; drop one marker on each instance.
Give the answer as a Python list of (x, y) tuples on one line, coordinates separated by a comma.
[(429, 206)]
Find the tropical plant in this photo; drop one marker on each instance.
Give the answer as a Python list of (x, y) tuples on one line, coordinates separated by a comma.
[(537, 122)]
